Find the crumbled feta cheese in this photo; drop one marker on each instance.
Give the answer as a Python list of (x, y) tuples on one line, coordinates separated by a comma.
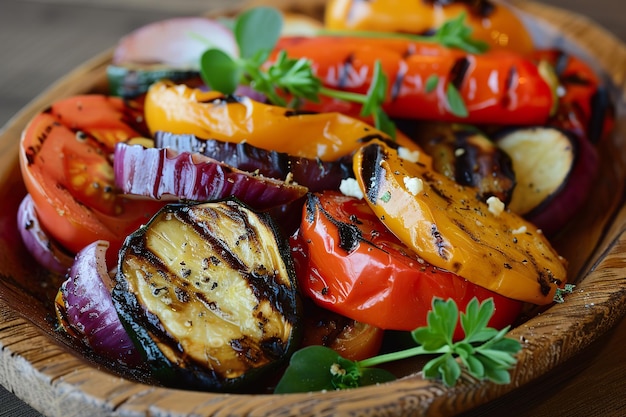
[(409, 155), (519, 230), (496, 206), (414, 185), (350, 187)]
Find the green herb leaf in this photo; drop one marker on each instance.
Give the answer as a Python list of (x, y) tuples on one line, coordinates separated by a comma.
[(431, 83), (257, 29), (475, 319), (316, 367), (454, 33), (560, 292), (377, 91), (220, 71), (455, 102), (442, 321)]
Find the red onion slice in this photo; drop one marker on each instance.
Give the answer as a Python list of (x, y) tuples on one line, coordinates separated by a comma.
[(164, 173), (46, 251), (177, 42), (86, 308)]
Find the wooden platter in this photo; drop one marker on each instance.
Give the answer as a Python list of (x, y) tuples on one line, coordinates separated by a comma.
[(59, 379)]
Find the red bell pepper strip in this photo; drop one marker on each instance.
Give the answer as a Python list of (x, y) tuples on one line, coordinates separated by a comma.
[(497, 87), (347, 261)]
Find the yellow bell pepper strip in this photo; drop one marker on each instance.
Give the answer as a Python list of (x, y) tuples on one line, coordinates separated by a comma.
[(491, 22), (180, 109), (448, 226)]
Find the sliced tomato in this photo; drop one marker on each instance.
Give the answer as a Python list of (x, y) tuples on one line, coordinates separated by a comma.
[(66, 164), (349, 263)]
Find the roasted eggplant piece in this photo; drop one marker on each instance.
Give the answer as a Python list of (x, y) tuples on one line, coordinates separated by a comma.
[(314, 174), (467, 156), (164, 173), (208, 294), (555, 171)]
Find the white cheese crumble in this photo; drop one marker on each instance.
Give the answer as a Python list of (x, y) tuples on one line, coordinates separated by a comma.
[(350, 187), (408, 155), (414, 185), (496, 206), (519, 230)]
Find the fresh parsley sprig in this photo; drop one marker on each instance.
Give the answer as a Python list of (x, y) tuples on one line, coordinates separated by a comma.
[(286, 76), (485, 352), (257, 31)]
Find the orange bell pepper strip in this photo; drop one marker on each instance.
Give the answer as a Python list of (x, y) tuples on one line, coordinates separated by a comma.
[(449, 227), (493, 23), (212, 115), (497, 87)]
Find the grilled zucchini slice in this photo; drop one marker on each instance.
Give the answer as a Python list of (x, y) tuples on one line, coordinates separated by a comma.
[(207, 292)]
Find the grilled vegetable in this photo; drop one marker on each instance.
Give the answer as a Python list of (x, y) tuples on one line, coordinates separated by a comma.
[(46, 251), (177, 42), (586, 107), (164, 173), (208, 293), (314, 174), (352, 339), (556, 169), (65, 161), (350, 263), (429, 81), (450, 228), (85, 309), (491, 22), (328, 136), (467, 156), (130, 80)]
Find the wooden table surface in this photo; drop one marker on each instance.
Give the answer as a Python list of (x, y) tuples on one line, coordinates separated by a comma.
[(40, 40)]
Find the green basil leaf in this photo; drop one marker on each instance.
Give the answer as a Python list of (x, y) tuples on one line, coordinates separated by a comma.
[(373, 376), (256, 30), (220, 71), (308, 370)]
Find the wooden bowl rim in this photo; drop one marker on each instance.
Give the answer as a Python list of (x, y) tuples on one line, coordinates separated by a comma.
[(98, 392)]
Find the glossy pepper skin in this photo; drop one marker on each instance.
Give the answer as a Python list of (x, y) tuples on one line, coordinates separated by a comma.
[(449, 227), (493, 23), (497, 87), (347, 261), (585, 106), (211, 115)]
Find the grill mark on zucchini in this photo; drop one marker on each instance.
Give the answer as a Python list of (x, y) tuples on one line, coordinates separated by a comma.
[(236, 314)]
